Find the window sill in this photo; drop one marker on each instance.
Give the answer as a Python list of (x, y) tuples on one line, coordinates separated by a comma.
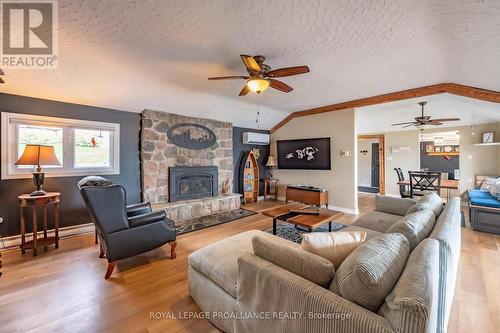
[(63, 174)]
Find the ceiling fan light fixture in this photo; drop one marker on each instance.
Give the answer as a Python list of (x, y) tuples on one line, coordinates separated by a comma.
[(258, 85)]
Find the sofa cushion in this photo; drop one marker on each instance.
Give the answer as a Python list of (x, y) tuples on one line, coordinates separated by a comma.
[(333, 246), (430, 201), (415, 226), (412, 305), (377, 221), (307, 265), (369, 233), (392, 205), (371, 271), (219, 261), (486, 202)]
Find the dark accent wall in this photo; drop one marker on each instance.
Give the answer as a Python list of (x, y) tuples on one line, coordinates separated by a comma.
[(438, 163), (238, 151), (73, 211)]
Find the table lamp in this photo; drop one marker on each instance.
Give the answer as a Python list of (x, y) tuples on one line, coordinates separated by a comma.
[(271, 163), (37, 155)]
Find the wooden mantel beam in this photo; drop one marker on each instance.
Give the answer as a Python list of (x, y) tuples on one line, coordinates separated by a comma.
[(441, 88)]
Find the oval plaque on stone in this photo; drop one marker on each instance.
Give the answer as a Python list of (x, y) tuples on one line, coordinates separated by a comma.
[(191, 136)]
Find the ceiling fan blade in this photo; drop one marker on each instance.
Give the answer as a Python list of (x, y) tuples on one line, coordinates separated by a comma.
[(278, 85), (288, 71), (250, 63), (408, 122), (446, 119), (412, 124), (245, 90), (228, 77), (435, 122)]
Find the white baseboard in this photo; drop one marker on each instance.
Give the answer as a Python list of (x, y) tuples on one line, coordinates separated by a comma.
[(344, 210), (81, 229)]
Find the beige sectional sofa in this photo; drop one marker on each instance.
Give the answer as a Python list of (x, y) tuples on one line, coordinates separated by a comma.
[(401, 279)]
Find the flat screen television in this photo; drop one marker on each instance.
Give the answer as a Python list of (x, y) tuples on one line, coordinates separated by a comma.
[(310, 154)]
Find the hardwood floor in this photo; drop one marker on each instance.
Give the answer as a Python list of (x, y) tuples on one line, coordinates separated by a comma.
[(64, 290)]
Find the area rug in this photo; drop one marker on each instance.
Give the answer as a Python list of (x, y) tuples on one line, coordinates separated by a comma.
[(211, 220), (290, 232)]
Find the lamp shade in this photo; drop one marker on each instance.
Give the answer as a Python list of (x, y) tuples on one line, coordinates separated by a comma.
[(38, 155), (258, 85), (271, 161)]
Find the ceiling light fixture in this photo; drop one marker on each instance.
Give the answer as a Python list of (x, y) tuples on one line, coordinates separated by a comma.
[(258, 85)]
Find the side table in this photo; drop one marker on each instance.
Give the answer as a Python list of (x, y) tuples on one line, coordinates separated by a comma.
[(269, 184), (26, 202)]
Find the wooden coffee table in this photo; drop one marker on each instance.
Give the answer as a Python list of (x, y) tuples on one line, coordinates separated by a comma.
[(311, 222)]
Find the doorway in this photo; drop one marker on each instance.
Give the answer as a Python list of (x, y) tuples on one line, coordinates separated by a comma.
[(371, 166)]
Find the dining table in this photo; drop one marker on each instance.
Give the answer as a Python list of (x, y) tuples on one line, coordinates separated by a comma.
[(448, 184)]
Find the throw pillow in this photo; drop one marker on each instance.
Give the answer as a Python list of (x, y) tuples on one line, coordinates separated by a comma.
[(495, 190), (370, 272), (430, 201), (334, 246), (302, 263), (415, 226), (487, 183), (94, 181)]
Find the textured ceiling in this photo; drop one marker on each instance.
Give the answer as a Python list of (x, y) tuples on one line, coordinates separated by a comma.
[(133, 55), (378, 118)]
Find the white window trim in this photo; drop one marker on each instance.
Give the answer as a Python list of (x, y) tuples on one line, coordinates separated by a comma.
[(9, 144)]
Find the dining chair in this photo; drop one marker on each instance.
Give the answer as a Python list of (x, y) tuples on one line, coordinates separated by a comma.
[(402, 188), (422, 183)]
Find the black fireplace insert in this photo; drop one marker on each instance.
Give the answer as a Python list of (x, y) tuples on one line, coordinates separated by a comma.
[(186, 183)]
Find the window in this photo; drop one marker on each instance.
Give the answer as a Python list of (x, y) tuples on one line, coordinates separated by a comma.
[(82, 147)]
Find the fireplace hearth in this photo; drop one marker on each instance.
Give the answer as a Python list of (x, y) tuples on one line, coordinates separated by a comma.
[(196, 182)]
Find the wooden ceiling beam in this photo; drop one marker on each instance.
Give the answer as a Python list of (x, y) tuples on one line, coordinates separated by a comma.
[(441, 88)]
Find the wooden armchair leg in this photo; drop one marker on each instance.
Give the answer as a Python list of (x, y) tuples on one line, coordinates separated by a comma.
[(109, 271), (173, 255), (101, 253), (96, 238)]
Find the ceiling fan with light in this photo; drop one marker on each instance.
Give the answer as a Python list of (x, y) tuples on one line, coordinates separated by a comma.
[(260, 76), (425, 120)]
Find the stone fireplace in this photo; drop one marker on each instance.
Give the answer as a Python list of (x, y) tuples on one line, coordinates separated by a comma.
[(193, 182), (184, 163)]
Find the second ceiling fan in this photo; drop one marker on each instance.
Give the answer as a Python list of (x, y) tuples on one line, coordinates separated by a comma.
[(425, 120), (260, 76)]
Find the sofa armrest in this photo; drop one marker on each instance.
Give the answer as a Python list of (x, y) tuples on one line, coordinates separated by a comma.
[(392, 205), (271, 290), (139, 220), (139, 209)]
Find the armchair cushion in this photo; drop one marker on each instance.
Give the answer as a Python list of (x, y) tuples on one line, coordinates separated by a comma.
[(139, 209), (133, 241), (143, 219)]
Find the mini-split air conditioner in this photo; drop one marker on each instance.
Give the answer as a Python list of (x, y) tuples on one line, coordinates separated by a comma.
[(252, 138)]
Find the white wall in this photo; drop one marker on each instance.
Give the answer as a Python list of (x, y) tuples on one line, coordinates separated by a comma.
[(340, 181), (365, 162), (405, 160)]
